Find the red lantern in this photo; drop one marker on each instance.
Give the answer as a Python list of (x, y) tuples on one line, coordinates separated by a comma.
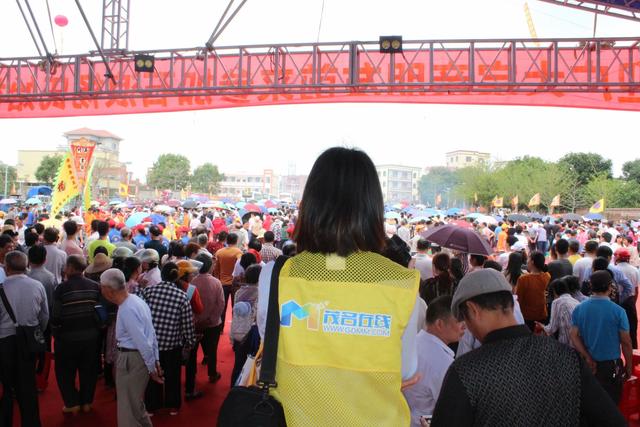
[(61, 20)]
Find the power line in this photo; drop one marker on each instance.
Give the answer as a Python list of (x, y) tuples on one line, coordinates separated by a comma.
[(320, 23), (55, 45)]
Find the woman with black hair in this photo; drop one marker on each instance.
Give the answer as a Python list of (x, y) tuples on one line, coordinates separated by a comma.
[(531, 288), (348, 314), (442, 282), (514, 268)]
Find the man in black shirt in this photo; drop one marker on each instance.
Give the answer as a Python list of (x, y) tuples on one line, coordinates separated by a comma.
[(515, 378), (156, 241)]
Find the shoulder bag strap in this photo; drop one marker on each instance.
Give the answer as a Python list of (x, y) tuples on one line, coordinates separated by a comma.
[(272, 330), (7, 306)]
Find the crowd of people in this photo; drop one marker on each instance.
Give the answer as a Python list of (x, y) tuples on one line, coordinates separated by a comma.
[(131, 305), (539, 332)]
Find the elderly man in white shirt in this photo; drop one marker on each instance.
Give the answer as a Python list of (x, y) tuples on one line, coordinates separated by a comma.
[(422, 261), (434, 357)]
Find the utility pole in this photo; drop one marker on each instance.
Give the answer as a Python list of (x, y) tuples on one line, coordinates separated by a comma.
[(6, 179)]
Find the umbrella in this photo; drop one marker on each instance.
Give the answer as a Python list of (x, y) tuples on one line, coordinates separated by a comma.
[(162, 208), (157, 218), (462, 223), (33, 201), (459, 239), (486, 218), (272, 210), (418, 219), (518, 218), (392, 215), (397, 206), (173, 203), (8, 202), (115, 202), (240, 205), (190, 204), (270, 204), (536, 215), (453, 211), (571, 217), (595, 216), (474, 215), (251, 207), (52, 222), (135, 219)]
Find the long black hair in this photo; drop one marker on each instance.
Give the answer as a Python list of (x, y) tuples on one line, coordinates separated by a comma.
[(514, 267), (342, 209)]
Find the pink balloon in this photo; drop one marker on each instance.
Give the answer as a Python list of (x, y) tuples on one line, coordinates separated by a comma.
[(61, 20)]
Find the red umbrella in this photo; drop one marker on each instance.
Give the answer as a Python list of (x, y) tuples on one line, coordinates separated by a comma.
[(174, 203), (270, 204), (459, 239), (250, 207), (462, 223)]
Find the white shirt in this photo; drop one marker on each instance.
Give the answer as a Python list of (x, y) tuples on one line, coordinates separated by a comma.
[(630, 273), (424, 264), (434, 359), (390, 229), (405, 234), (582, 268), (409, 355), (152, 276)]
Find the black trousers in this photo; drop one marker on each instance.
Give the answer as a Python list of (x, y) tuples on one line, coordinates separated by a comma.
[(191, 369), (76, 358), (209, 343), (227, 294), (629, 306), (18, 378), (169, 394), (608, 374)]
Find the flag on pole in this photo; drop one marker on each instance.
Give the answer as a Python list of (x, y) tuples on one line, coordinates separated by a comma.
[(497, 202), (598, 207), (555, 202), (65, 187), (438, 199), (86, 194), (514, 202), (535, 200), (124, 190), (475, 197)]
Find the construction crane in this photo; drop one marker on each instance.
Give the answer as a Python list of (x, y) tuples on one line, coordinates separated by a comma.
[(532, 28)]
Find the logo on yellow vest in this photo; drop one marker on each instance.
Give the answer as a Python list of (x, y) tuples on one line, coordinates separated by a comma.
[(335, 321)]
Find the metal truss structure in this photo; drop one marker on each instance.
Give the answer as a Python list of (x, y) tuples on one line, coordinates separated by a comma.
[(497, 66), (115, 25), (625, 9)]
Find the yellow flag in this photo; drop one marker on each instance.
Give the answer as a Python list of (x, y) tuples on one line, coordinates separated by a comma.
[(535, 200), (555, 202), (65, 187), (497, 202), (475, 197), (514, 201), (183, 194), (438, 200), (124, 190), (598, 207)]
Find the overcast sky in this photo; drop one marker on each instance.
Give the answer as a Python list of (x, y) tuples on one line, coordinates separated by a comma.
[(256, 138)]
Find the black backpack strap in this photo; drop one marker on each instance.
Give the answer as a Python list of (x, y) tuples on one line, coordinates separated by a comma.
[(272, 330), (7, 306)]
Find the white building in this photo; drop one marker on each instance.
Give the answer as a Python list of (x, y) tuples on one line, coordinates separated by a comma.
[(399, 183), (249, 185), (463, 158)]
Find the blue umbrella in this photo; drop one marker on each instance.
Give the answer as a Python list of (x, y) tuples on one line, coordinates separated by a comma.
[(135, 219), (240, 205), (453, 211), (272, 210), (596, 216), (392, 215), (157, 218), (474, 215), (33, 201)]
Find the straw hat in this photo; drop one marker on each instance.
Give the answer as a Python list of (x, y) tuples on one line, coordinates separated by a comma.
[(101, 262)]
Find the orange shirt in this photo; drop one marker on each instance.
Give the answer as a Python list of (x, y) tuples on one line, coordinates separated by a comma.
[(225, 263), (531, 290)]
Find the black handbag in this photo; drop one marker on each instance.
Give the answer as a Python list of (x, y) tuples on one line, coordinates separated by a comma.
[(30, 339), (254, 406)]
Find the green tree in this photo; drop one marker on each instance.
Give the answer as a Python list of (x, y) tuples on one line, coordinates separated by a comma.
[(586, 166), (439, 180), (48, 169), (631, 170), (206, 178), (170, 171), (11, 174), (616, 193)]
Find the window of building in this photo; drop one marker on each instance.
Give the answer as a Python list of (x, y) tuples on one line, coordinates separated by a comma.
[(468, 159), (415, 175), (384, 173)]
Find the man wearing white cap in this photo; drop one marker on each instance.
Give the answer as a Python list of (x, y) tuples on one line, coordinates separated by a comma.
[(515, 378)]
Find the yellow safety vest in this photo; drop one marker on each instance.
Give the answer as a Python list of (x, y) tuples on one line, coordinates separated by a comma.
[(340, 346)]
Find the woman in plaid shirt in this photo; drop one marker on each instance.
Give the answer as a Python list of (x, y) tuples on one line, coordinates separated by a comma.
[(173, 322)]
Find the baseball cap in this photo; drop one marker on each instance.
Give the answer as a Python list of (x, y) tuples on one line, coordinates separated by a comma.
[(622, 254), (479, 282)]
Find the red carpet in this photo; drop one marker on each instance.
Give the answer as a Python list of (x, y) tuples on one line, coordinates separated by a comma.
[(200, 412)]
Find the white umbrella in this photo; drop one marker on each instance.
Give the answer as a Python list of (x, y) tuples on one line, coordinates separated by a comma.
[(162, 208), (486, 218), (8, 202)]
